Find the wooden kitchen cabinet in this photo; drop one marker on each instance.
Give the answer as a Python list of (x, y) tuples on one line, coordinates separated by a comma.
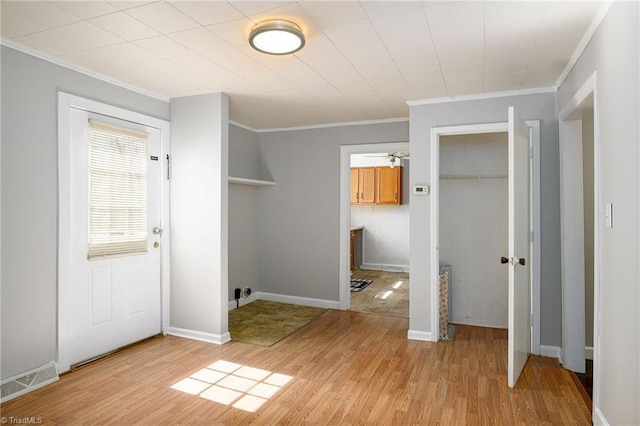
[(389, 185), (363, 185)]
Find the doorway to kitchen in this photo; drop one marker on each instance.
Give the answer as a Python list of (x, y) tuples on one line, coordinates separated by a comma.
[(374, 228)]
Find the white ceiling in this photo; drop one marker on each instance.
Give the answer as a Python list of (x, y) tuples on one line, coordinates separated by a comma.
[(362, 61)]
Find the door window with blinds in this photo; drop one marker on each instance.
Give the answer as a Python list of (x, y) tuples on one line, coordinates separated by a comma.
[(118, 190)]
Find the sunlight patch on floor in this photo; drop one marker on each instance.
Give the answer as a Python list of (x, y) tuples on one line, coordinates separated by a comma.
[(243, 387)]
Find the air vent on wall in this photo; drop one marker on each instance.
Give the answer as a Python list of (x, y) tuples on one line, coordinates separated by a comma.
[(26, 382)]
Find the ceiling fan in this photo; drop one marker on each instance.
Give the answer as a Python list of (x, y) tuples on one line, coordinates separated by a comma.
[(393, 157)]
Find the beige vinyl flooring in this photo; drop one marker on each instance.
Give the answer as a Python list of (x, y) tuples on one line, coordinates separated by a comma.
[(387, 295)]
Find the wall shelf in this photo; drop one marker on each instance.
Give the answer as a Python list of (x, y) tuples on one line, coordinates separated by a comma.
[(252, 182)]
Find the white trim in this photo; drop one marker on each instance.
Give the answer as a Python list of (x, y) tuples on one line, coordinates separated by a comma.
[(382, 266), (252, 298), (297, 300), (589, 87), (435, 134), (423, 336), (584, 42), (477, 323), (77, 68), (251, 182), (588, 352), (482, 96), (598, 417), (201, 336), (342, 124), (551, 352), (243, 126), (66, 102), (345, 209)]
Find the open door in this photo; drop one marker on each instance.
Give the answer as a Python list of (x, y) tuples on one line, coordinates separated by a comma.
[(519, 256)]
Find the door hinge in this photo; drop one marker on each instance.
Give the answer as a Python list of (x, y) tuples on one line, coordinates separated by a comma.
[(168, 167)]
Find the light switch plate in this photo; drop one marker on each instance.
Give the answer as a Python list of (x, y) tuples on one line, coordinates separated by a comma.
[(608, 215)]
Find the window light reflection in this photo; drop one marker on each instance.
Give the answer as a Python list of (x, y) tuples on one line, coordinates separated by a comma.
[(243, 387)]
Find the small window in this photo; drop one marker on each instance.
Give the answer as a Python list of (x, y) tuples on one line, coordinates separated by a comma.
[(118, 196)]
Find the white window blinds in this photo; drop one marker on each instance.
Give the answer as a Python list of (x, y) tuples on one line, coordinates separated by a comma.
[(117, 190)]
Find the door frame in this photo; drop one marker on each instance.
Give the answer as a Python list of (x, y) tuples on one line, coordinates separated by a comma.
[(345, 208), (434, 163), (572, 238), (67, 102)]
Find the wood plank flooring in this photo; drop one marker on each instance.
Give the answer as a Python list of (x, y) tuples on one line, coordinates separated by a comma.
[(395, 303), (345, 368)]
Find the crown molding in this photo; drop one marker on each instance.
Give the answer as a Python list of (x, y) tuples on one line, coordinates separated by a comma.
[(482, 96), (588, 35), (243, 126), (338, 124), (73, 67)]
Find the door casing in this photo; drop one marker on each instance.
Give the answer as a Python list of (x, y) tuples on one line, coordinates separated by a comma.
[(436, 132), (67, 102)]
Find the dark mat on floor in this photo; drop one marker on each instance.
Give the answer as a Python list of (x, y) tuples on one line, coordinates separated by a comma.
[(359, 284)]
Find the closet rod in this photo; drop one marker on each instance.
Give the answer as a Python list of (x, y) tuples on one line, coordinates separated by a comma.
[(473, 177)]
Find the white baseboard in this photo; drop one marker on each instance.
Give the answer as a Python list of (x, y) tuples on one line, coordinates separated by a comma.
[(551, 351), (598, 418), (478, 323), (252, 298), (384, 267), (296, 300), (218, 339), (588, 352), (424, 336)]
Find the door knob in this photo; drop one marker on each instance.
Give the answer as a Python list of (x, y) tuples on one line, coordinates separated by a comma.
[(504, 260), (522, 261)]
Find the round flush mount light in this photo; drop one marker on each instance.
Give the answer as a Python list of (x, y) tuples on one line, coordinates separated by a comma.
[(276, 37)]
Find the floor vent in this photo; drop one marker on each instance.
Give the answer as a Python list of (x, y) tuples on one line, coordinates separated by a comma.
[(26, 382)]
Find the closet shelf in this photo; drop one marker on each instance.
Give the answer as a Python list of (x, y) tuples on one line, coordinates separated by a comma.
[(252, 182), (473, 177)]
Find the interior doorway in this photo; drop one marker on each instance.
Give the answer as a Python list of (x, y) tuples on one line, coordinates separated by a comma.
[(580, 224), (346, 152), (524, 226)]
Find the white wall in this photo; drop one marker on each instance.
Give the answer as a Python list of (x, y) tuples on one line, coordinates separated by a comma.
[(386, 228), (30, 198), (531, 107), (199, 221), (613, 53), (473, 226)]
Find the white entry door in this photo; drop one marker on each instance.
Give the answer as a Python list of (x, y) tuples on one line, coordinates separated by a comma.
[(519, 257), (115, 190)]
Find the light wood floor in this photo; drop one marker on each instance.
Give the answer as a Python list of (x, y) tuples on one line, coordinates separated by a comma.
[(345, 368)]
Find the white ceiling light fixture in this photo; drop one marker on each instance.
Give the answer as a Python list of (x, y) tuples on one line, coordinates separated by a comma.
[(276, 37)]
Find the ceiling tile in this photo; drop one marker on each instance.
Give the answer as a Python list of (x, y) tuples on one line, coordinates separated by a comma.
[(124, 26), (208, 12), (462, 73), (401, 24), (163, 46), (506, 65), (424, 61), (464, 87), (325, 14), (351, 33), (95, 59), (163, 67), (91, 34), (86, 9), (373, 8), (46, 14), (236, 33), (129, 4), (451, 15), (562, 13), (200, 40), (513, 17), (16, 25), (503, 82), (403, 46), (162, 17), (366, 53), (248, 8), (462, 57), (129, 52), (461, 38)]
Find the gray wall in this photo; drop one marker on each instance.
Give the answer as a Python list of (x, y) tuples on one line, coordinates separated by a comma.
[(530, 107), (30, 195), (299, 217), (243, 210), (614, 53)]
